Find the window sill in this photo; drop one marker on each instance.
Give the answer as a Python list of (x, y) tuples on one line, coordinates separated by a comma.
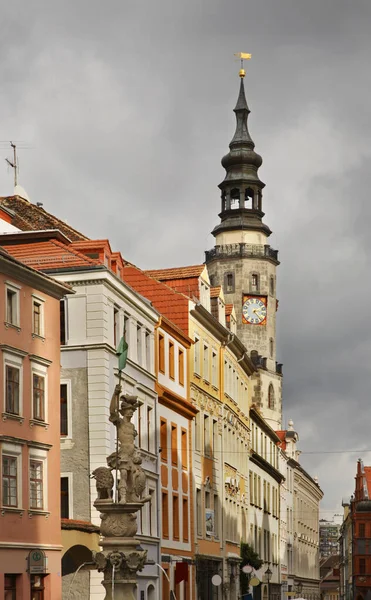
[(197, 375), (12, 326), (37, 336), (36, 512), (11, 509), (12, 417), (38, 423)]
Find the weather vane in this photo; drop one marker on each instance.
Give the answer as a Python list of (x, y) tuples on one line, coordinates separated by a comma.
[(242, 56)]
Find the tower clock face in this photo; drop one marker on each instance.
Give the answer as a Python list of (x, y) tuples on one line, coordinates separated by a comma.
[(254, 310)]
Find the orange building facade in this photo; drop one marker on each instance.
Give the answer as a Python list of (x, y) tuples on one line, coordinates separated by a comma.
[(30, 531)]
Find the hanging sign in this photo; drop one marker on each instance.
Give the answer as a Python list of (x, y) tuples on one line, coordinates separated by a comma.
[(36, 562)]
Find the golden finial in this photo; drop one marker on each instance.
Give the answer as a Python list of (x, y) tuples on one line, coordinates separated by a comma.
[(242, 56)]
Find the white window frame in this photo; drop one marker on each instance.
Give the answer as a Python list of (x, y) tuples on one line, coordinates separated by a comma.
[(197, 355), (41, 302), (206, 362), (151, 484), (13, 360), (13, 287), (69, 476), (15, 451), (40, 456), (41, 371), (67, 382)]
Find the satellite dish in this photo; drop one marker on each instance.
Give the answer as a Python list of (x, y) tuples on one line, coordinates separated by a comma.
[(216, 580)]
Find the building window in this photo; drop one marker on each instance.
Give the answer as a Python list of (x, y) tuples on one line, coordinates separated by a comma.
[(271, 285), (149, 429), (65, 498), (163, 439), (37, 587), (271, 347), (206, 373), (161, 353), (62, 322), (10, 587), (148, 351), (181, 367), (216, 516), (12, 382), (38, 397), (175, 517), (207, 449), (199, 512), (139, 344), (38, 317), (9, 481), (171, 361), (174, 445), (254, 282), (152, 512), (229, 282), (184, 449), (214, 368), (12, 306), (362, 566), (165, 515), (64, 409), (185, 520), (116, 326), (271, 397), (362, 530), (36, 485), (197, 355)]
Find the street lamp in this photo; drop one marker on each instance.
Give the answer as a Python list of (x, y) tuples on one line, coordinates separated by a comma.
[(268, 575), (299, 588)]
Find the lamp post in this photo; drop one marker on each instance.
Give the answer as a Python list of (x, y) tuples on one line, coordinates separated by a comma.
[(268, 575), (299, 588)]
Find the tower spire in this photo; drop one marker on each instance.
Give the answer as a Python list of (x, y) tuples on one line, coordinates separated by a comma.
[(241, 189)]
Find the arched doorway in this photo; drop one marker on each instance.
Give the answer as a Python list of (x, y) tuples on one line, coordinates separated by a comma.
[(74, 558), (75, 585), (151, 592)]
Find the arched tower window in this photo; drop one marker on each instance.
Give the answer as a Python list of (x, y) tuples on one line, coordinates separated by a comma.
[(249, 198), (235, 198), (271, 285), (271, 397), (271, 347), (254, 282)]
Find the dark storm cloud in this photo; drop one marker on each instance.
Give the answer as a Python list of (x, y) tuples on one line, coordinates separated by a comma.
[(128, 109)]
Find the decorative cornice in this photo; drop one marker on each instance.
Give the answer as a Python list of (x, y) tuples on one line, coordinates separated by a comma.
[(266, 466), (176, 403)]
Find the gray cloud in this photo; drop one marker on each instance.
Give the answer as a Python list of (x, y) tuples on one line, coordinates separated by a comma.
[(128, 109)]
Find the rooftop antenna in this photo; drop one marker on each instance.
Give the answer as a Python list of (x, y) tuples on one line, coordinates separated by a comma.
[(14, 163), (242, 56)]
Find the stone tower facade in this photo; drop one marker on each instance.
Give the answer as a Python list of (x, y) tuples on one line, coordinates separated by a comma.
[(243, 262)]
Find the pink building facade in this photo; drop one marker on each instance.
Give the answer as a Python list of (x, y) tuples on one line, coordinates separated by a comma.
[(30, 526)]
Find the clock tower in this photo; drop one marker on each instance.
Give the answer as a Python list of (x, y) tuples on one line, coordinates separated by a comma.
[(243, 262)]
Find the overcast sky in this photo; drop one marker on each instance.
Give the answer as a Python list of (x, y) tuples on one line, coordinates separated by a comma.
[(126, 108)]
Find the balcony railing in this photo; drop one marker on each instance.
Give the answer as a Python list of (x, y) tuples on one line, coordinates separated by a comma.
[(242, 250)]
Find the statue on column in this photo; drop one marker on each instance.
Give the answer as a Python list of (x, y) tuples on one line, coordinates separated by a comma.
[(121, 556)]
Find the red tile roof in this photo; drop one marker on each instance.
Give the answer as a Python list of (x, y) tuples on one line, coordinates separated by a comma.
[(30, 217), (215, 292), (48, 255), (168, 302), (176, 272), (282, 436), (228, 309)]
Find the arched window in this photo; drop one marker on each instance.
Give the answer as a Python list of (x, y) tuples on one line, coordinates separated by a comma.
[(151, 592), (271, 397), (271, 285), (249, 198), (271, 347), (235, 198)]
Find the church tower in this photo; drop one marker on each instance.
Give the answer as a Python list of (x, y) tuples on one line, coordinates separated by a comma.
[(244, 263)]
